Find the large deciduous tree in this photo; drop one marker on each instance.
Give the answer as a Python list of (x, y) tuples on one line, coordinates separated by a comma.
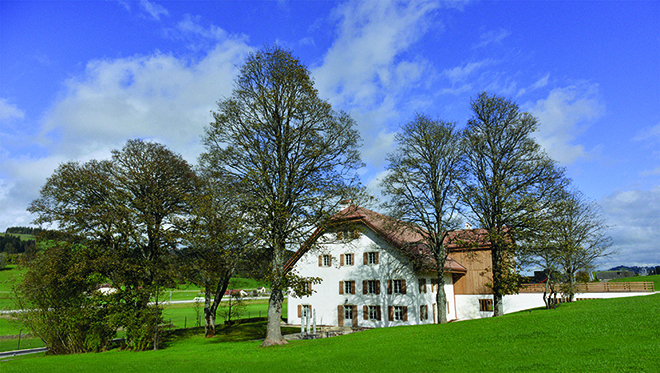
[(216, 243), (422, 180), (579, 233), (511, 181), (130, 209), (295, 156)]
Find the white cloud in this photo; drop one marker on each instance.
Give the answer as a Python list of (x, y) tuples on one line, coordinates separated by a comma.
[(143, 96), (652, 133), (461, 73), (190, 25), (154, 10), (492, 37), (563, 116), (9, 111), (634, 217), (655, 171)]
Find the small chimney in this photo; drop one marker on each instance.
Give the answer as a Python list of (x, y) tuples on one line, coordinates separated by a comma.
[(468, 226)]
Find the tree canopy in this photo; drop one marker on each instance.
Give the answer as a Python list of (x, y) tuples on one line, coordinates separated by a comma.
[(295, 157), (423, 179), (511, 181)]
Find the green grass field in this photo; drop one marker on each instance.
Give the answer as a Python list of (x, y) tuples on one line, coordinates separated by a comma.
[(24, 237), (608, 335), (653, 278)]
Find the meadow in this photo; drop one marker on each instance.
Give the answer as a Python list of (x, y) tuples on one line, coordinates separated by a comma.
[(654, 278), (621, 334)]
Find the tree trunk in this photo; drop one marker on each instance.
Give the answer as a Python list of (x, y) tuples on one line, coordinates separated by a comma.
[(211, 307), (273, 330), (441, 299), (497, 258), (571, 286)]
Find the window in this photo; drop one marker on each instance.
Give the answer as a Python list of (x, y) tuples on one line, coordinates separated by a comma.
[(325, 260), (423, 312), (349, 259), (485, 305), (396, 286), (371, 257), (398, 313), (302, 307), (422, 285), (373, 313), (348, 312), (346, 287), (372, 287), (348, 234)]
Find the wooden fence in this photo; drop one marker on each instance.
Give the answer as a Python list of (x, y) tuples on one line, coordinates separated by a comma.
[(596, 287)]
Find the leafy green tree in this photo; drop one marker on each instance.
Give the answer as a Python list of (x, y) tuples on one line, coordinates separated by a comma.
[(511, 182), (295, 157), (423, 176), (62, 305), (132, 210)]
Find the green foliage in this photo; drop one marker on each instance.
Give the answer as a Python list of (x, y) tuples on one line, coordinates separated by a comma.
[(63, 308), (606, 335)]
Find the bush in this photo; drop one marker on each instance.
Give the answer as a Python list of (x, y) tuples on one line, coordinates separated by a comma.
[(65, 311)]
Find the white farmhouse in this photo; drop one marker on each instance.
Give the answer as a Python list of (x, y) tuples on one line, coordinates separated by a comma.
[(372, 276), (375, 276)]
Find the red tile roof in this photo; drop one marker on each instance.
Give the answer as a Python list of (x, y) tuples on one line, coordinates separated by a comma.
[(404, 238)]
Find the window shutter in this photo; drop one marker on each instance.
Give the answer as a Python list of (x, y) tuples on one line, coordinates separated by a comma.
[(309, 287), (341, 287), (389, 286), (364, 287), (340, 315), (365, 312), (376, 261), (377, 286), (366, 258), (405, 313), (355, 316), (390, 313), (353, 287), (378, 313), (341, 259), (320, 260), (329, 260), (299, 310), (310, 310), (403, 286), (424, 284), (421, 313)]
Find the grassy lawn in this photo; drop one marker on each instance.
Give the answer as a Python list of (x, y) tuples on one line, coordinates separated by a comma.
[(653, 278), (609, 335), (8, 276), (184, 314)]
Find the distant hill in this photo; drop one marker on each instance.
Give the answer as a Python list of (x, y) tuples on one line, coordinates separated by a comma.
[(24, 230)]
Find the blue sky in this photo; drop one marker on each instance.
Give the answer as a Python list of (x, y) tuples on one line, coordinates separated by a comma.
[(79, 78)]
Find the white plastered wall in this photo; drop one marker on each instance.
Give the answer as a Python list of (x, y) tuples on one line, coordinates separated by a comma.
[(392, 264)]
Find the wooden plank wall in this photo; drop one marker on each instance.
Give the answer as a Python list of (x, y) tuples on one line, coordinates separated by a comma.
[(478, 265)]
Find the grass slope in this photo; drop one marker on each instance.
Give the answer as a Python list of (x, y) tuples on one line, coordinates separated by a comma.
[(621, 335), (653, 278), (23, 237)]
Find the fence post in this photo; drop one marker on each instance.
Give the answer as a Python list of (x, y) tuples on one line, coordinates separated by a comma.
[(19, 339)]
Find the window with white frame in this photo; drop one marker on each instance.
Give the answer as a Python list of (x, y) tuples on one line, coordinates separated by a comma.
[(326, 260), (349, 287), (373, 313), (348, 312), (348, 259), (398, 313), (372, 257), (372, 287), (397, 286)]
